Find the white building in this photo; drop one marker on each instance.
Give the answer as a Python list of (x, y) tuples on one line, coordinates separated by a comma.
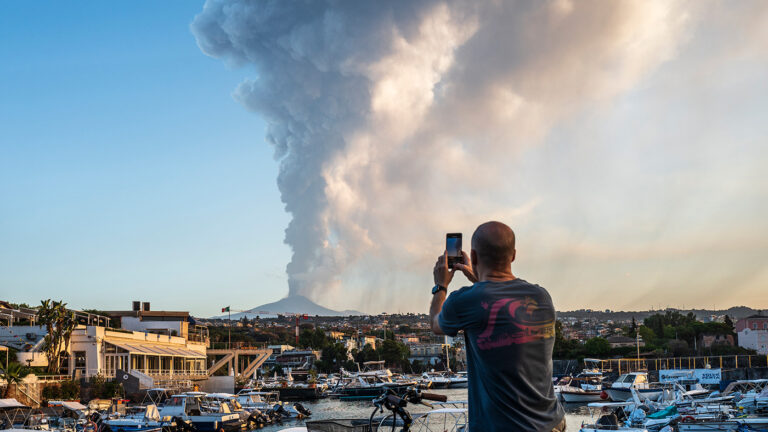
[(753, 333), (97, 350), (427, 353), (162, 345)]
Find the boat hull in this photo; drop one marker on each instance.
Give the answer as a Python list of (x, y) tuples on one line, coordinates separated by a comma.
[(298, 393), (134, 428), (728, 425), (624, 394), (586, 396)]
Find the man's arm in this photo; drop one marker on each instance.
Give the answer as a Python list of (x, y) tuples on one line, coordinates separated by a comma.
[(443, 276), (434, 311)]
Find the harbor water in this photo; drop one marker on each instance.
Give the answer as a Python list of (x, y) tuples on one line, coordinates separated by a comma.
[(336, 409)]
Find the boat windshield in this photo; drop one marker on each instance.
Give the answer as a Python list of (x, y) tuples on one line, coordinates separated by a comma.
[(175, 401)]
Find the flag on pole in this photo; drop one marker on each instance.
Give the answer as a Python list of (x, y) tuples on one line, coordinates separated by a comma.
[(225, 309)]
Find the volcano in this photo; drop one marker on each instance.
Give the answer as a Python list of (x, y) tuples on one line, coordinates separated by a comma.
[(295, 304)]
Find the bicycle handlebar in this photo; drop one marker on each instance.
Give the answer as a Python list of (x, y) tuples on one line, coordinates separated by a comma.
[(434, 397)]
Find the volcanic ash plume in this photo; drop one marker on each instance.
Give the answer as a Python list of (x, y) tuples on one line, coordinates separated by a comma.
[(396, 121)]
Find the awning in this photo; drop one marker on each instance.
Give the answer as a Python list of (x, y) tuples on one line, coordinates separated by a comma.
[(11, 403), (3, 348), (157, 349)]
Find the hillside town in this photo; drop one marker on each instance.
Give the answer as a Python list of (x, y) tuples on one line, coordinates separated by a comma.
[(141, 347)]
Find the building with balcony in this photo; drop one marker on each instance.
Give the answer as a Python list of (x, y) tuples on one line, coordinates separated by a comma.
[(95, 350), (432, 354), (158, 345), (753, 333)]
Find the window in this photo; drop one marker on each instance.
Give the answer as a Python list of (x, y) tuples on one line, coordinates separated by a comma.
[(754, 326), (765, 326), (79, 359)]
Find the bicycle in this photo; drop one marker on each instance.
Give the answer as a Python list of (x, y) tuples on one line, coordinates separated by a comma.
[(400, 417)]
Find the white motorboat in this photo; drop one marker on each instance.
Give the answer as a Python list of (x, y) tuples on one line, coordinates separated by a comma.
[(260, 400), (435, 380), (621, 389), (458, 380), (149, 422), (584, 387), (186, 407)]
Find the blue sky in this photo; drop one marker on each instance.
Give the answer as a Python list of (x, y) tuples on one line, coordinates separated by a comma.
[(624, 142), (127, 170)]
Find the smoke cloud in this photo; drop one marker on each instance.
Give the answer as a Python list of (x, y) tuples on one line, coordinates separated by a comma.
[(397, 121)]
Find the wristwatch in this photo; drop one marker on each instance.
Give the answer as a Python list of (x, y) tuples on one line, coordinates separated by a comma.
[(437, 288)]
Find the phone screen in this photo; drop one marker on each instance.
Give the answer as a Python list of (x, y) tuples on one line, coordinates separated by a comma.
[(453, 246)]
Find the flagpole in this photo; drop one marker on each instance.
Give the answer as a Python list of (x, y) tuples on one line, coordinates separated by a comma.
[(229, 328)]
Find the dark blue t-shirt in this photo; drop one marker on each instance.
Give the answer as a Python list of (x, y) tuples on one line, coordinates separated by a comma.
[(509, 329)]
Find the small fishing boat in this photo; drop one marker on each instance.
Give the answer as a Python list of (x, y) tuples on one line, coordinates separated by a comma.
[(587, 386), (435, 380), (187, 408), (621, 389)]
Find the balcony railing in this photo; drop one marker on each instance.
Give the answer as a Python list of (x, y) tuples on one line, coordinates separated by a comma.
[(175, 374)]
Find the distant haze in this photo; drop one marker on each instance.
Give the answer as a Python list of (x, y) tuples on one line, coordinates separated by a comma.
[(625, 142)]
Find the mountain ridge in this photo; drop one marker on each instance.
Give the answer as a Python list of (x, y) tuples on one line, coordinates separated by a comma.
[(292, 304)]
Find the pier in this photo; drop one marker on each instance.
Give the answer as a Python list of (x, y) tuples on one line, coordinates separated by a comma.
[(240, 362)]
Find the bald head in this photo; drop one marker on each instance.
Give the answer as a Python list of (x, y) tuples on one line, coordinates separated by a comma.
[(494, 244)]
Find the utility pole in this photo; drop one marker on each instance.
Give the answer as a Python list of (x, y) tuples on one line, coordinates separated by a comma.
[(229, 328)]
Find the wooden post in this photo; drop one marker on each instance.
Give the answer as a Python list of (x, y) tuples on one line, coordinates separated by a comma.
[(721, 362), (737, 361), (749, 360)]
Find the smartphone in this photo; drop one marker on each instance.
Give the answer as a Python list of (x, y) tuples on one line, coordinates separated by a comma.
[(453, 249)]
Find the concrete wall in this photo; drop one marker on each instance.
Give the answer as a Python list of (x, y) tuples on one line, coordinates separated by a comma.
[(218, 384), (179, 328)]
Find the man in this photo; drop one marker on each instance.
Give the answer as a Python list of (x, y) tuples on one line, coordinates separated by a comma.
[(509, 328)]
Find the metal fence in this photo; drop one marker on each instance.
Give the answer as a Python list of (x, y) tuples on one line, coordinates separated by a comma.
[(625, 365)]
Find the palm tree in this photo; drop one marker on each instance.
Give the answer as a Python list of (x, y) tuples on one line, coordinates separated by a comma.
[(13, 374), (59, 322)]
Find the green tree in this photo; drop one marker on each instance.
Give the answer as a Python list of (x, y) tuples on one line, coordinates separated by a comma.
[(334, 356), (597, 346), (59, 323), (395, 353), (648, 335), (368, 353), (564, 348), (13, 374), (729, 325)]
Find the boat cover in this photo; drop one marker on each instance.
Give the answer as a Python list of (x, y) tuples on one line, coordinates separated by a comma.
[(11, 403), (666, 412), (74, 406), (151, 413)]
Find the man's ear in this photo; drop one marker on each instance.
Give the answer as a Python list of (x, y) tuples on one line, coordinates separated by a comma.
[(514, 253), (473, 257)]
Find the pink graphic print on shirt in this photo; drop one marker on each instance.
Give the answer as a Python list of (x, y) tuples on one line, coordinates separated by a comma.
[(520, 325)]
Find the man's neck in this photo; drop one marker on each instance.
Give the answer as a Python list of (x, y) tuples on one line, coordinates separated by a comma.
[(496, 276)]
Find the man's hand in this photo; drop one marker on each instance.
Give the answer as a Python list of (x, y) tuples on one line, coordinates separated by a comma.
[(466, 268), (443, 275)]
